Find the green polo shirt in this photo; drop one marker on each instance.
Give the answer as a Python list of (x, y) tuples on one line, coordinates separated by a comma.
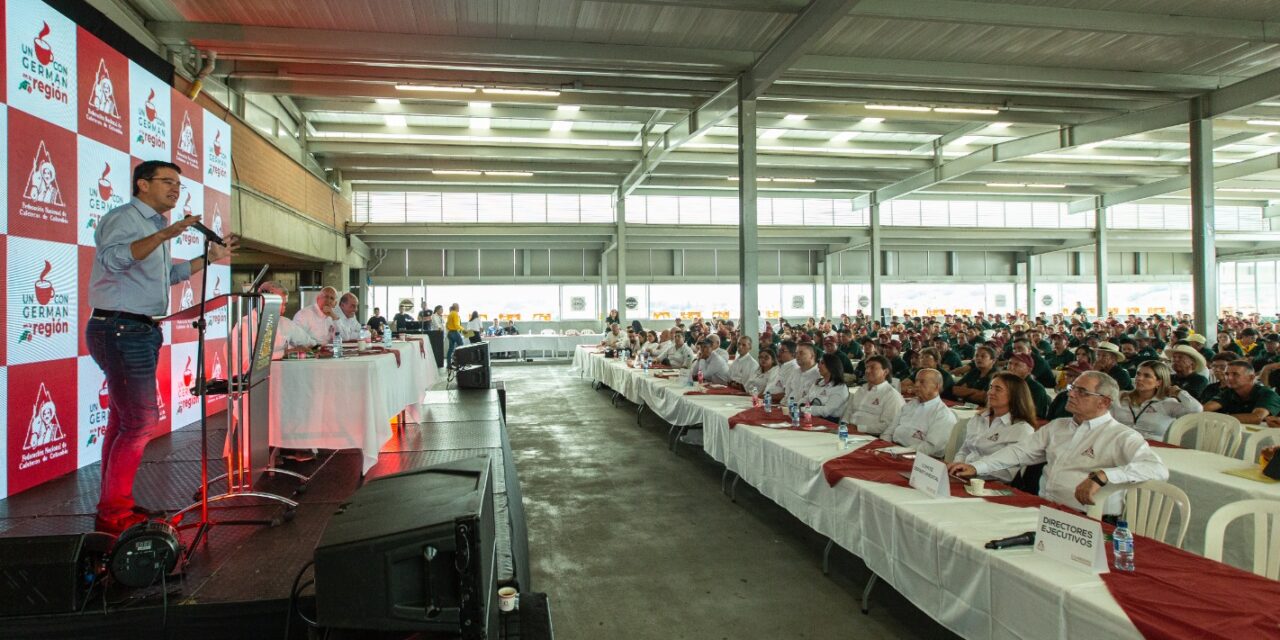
[(1122, 377), (1260, 397), (1039, 396), (975, 380), (1058, 360)]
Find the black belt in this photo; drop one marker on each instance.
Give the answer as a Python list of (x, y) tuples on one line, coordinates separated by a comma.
[(137, 317)]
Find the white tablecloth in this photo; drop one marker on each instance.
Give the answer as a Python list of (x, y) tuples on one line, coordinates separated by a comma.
[(930, 550), (348, 403), (1200, 474), (533, 342)]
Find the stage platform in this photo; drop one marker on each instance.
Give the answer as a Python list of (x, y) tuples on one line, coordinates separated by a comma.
[(238, 584)]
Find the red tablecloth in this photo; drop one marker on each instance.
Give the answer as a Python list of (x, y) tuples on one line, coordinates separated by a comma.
[(1176, 594), (654, 367), (757, 416), (724, 391), (1162, 445)]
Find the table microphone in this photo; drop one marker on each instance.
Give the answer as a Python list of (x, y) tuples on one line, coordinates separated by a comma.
[(208, 233), (1020, 540)]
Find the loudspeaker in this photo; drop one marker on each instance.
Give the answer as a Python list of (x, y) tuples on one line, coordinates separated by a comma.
[(471, 355), (413, 551), (45, 574), (473, 378)]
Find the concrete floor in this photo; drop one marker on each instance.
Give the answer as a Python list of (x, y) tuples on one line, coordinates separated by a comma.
[(631, 541)]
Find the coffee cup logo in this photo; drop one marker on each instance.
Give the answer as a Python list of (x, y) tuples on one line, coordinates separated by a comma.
[(104, 398), (186, 207), (186, 373), (104, 185), (217, 143), (44, 288), (44, 52), (150, 106), (217, 286)]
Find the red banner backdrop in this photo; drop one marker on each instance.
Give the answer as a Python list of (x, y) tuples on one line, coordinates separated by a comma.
[(75, 117)]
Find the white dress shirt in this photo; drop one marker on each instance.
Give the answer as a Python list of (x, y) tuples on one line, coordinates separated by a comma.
[(742, 369), (761, 380), (800, 382), (288, 334), (349, 328), (714, 369), (827, 400), (785, 372), (1153, 417), (680, 357), (656, 349), (316, 323), (873, 409), (437, 322), (923, 426), (1071, 451), (614, 340), (985, 436)]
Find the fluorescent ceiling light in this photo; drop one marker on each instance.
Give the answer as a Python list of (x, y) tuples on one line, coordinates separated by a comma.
[(568, 108), (455, 172), (1264, 123), (435, 87), (480, 124), (1006, 185), (896, 107), (844, 137), (1041, 185), (795, 117), (771, 134), (393, 120), (479, 104), (872, 120), (562, 126), (800, 180), (513, 174), (1091, 145), (965, 110), (386, 101), (1249, 190), (520, 92), (736, 179), (999, 125), (964, 140), (1028, 185)]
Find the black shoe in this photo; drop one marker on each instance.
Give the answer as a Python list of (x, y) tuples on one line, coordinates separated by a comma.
[(115, 527), (159, 514)]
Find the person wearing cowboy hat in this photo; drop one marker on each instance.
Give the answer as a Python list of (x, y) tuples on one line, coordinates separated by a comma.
[(1107, 359), (1146, 350), (1187, 363), (1197, 342)]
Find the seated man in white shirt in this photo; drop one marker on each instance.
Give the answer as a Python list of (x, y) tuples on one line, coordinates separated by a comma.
[(806, 376), (743, 367), (319, 319), (875, 406), (710, 364), (348, 326), (715, 346), (658, 350), (925, 423), (680, 355), (614, 338), (787, 367), (1082, 453)]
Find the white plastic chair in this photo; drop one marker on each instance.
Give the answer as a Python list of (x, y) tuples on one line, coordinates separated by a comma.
[(1214, 432), (548, 332), (956, 439), (1256, 441), (1266, 536), (1148, 508)]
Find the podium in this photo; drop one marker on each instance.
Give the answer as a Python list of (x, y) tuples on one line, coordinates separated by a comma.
[(252, 320)]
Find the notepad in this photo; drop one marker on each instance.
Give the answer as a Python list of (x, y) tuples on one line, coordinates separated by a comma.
[(1251, 473)]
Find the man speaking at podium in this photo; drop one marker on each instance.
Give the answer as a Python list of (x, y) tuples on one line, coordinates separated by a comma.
[(128, 289)]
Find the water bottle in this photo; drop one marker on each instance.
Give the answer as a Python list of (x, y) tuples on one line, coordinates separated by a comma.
[(699, 376), (337, 345), (365, 336), (768, 402), (793, 409), (1122, 542), (842, 432), (386, 337), (755, 396), (806, 414), (644, 364)]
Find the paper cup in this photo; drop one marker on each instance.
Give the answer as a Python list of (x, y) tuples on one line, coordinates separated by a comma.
[(508, 599), (978, 485)]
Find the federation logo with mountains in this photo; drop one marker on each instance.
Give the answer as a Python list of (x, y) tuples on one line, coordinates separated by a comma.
[(102, 109), (45, 439)]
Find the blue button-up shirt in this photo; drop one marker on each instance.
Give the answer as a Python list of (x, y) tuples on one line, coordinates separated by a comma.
[(119, 282)]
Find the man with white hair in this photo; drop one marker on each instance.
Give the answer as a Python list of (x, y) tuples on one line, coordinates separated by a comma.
[(1082, 453), (348, 326), (924, 422), (744, 367), (320, 319)]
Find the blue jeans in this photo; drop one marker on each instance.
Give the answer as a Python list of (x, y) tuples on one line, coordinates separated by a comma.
[(127, 351), (455, 341)]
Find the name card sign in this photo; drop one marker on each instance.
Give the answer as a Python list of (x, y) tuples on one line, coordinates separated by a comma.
[(929, 476), (1071, 539)]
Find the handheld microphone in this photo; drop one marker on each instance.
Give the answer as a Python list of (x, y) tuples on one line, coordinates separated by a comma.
[(208, 233), (1020, 540)]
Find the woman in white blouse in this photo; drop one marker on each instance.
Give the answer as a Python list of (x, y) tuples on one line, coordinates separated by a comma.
[(1154, 403), (828, 396), (767, 374), (1007, 419), (652, 345)]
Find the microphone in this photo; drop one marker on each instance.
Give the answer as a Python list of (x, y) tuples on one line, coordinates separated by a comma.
[(208, 233), (1020, 540)]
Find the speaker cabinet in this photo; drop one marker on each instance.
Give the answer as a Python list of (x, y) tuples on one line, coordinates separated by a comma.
[(45, 574)]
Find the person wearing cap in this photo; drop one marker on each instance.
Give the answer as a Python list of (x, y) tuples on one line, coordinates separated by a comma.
[(1242, 397), (1218, 369), (869, 348), (1145, 349), (1248, 342), (1186, 364), (1107, 358), (924, 423), (832, 345), (1060, 354), (849, 347), (1040, 369), (1021, 364), (713, 367), (948, 359), (1155, 402), (875, 405), (892, 351), (1268, 354)]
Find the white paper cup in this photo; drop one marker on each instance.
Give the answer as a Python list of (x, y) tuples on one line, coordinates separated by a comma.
[(508, 599), (977, 484)]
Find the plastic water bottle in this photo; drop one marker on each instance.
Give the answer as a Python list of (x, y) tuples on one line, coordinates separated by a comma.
[(768, 402), (793, 409), (644, 364), (386, 337), (806, 414), (1122, 542), (699, 376), (755, 396), (842, 432), (337, 345), (365, 337)]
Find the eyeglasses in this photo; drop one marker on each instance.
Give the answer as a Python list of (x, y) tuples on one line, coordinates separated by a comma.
[(1071, 388), (168, 182)]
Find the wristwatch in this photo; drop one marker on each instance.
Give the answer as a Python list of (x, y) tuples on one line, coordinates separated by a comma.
[(1093, 475)]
